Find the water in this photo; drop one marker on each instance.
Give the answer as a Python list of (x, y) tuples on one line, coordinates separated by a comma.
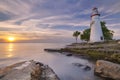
[(62, 65)]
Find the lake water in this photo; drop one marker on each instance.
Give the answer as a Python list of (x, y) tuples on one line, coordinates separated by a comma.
[(62, 65)]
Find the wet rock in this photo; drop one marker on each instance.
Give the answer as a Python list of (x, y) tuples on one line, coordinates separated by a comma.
[(48, 74), (84, 67), (87, 68), (107, 69), (68, 54), (78, 64), (28, 70), (36, 72)]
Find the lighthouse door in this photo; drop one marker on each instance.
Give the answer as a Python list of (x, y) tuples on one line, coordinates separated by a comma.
[(101, 38)]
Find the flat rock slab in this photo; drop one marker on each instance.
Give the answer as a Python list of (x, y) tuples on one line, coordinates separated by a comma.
[(28, 70), (53, 50), (107, 69)]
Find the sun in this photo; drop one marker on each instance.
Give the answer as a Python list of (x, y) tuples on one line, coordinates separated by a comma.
[(11, 39)]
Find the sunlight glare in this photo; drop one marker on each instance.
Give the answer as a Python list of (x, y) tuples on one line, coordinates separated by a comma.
[(11, 39)]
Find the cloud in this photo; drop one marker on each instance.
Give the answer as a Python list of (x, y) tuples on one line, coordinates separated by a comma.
[(52, 21), (6, 26), (4, 17), (116, 28), (50, 18), (117, 33), (16, 7), (111, 8), (37, 36)]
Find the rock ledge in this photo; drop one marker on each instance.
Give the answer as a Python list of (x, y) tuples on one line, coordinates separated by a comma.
[(28, 70)]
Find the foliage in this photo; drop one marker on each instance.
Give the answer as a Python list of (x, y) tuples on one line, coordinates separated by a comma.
[(76, 34), (96, 55), (86, 35), (108, 34), (115, 57)]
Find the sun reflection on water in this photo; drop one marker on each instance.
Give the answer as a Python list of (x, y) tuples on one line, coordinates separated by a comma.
[(9, 55), (10, 50), (10, 47)]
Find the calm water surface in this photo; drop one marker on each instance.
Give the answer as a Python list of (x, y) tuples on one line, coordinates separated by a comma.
[(62, 65)]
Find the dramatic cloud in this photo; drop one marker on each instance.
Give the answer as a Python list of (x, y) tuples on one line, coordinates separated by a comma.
[(54, 19)]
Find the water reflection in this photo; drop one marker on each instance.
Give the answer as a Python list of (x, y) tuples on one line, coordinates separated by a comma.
[(10, 50), (9, 55), (61, 64), (10, 47)]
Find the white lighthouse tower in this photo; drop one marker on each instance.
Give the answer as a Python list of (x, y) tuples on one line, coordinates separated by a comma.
[(96, 34)]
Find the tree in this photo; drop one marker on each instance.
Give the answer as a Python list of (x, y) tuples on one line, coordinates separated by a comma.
[(76, 34), (108, 34), (85, 35)]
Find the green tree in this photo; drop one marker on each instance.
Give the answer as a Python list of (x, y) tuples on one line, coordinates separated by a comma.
[(85, 35), (76, 34), (108, 34)]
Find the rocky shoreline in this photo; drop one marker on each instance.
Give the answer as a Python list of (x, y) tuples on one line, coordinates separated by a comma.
[(106, 63), (106, 56), (28, 70), (109, 51)]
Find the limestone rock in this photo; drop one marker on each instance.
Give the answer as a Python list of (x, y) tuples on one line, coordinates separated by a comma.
[(28, 70), (107, 69)]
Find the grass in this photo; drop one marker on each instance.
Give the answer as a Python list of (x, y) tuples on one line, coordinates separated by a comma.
[(96, 55), (115, 58), (108, 50)]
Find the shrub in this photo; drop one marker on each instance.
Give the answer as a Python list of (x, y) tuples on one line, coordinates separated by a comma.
[(115, 57)]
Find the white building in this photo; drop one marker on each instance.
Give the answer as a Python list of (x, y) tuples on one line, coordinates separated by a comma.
[(96, 34)]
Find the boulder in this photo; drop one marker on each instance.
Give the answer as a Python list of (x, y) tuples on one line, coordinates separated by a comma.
[(28, 70), (107, 69)]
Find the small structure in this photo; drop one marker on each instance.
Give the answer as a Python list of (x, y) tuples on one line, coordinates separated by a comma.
[(96, 34)]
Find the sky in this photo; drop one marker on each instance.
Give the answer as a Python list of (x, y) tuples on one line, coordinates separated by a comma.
[(54, 20)]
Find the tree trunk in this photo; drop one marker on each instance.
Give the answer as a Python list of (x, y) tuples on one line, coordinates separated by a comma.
[(76, 39)]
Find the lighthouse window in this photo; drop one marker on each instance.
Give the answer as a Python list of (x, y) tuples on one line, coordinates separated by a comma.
[(101, 38)]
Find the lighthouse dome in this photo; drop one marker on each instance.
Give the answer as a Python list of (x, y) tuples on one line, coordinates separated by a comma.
[(95, 12)]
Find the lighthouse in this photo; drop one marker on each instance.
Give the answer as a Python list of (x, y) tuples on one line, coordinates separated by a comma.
[(96, 34)]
